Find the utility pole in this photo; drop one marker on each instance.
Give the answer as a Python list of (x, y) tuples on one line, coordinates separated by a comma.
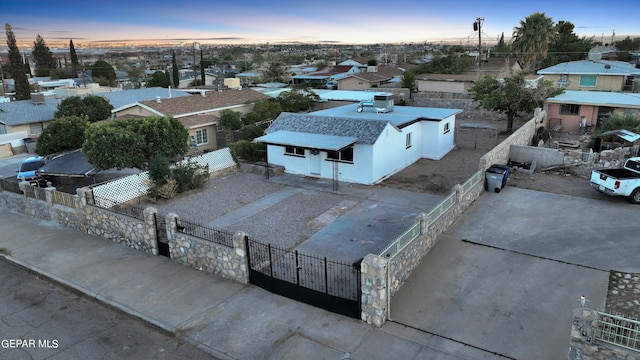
[(477, 26)]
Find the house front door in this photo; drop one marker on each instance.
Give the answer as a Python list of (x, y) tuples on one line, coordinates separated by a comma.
[(604, 113), (315, 163)]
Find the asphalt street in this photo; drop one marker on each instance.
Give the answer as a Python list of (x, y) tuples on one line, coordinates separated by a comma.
[(41, 320)]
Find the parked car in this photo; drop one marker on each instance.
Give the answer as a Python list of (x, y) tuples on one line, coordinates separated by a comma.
[(623, 181), (28, 170)]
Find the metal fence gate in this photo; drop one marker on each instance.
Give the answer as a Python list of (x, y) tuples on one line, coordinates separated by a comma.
[(161, 236), (317, 281)]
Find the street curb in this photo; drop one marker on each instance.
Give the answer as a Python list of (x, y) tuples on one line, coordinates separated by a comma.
[(94, 296)]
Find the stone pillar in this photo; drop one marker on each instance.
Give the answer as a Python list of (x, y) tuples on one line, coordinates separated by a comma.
[(151, 236), (48, 194), (240, 249), (83, 193), (172, 221), (82, 209), (459, 194), (374, 290), (582, 343), (424, 223)]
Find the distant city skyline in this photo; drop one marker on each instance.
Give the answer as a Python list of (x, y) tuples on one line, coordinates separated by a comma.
[(287, 21)]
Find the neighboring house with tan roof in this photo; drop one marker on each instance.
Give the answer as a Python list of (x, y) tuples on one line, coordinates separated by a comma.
[(27, 118), (199, 113), (325, 74), (370, 77)]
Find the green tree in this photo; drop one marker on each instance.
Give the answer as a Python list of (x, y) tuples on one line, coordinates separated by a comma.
[(92, 107), (294, 101), (372, 62), (43, 57), (266, 109), (103, 73), (17, 67), (567, 46), (65, 133), (250, 132), (136, 74), (174, 70), (230, 120), (75, 65), (501, 49), (275, 71), (620, 121), (532, 39), (627, 44), (134, 142), (451, 64), (159, 79), (408, 80), (511, 95)]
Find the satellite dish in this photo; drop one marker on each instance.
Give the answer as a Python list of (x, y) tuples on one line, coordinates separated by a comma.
[(359, 108)]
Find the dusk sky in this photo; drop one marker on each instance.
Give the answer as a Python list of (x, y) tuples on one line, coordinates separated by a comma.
[(346, 21)]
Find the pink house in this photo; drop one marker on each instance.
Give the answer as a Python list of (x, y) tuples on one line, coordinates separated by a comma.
[(584, 111)]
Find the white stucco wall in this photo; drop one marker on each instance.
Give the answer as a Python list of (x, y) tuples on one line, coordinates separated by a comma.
[(436, 143), (373, 163)]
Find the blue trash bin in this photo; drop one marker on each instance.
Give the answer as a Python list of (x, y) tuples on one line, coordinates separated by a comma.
[(496, 176)]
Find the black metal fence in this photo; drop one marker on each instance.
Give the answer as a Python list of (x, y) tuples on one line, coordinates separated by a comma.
[(318, 281), (205, 232)]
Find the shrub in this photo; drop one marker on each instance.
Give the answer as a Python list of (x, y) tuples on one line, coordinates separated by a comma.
[(167, 190), (247, 151), (159, 169), (250, 132), (189, 176)]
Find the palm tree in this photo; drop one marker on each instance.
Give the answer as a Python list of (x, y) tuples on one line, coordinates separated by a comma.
[(531, 40)]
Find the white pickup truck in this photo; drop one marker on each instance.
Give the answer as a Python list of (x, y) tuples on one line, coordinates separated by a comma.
[(623, 181)]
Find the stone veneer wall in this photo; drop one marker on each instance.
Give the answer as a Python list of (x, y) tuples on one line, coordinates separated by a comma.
[(586, 346), (42, 210), (136, 234), (382, 278), (226, 262), (500, 153)]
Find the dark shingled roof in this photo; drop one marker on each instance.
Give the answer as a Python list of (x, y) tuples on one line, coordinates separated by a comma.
[(366, 131)]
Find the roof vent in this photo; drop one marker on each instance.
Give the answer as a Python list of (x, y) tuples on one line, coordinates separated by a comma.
[(37, 98), (383, 103), (158, 99)]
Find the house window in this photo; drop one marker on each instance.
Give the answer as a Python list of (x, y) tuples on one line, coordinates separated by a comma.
[(345, 155), (3, 129), (588, 80), (408, 141), (219, 128), (446, 128), (633, 112), (202, 137), (569, 109), (294, 151), (35, 129)]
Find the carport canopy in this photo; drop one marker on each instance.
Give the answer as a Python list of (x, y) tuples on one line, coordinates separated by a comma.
[(308, 140), (72, 164)]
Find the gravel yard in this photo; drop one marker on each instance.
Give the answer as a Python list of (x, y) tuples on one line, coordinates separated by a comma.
[(218, 197)]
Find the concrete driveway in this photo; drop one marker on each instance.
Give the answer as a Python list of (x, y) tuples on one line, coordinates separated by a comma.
[(506, 277)]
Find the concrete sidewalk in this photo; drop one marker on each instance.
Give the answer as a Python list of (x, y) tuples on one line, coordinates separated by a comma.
[(228, 320)]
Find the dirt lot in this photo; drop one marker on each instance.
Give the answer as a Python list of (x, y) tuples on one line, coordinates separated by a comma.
[(439, 176)]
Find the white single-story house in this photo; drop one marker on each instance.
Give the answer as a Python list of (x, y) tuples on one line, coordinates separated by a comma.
[(361, 143)]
